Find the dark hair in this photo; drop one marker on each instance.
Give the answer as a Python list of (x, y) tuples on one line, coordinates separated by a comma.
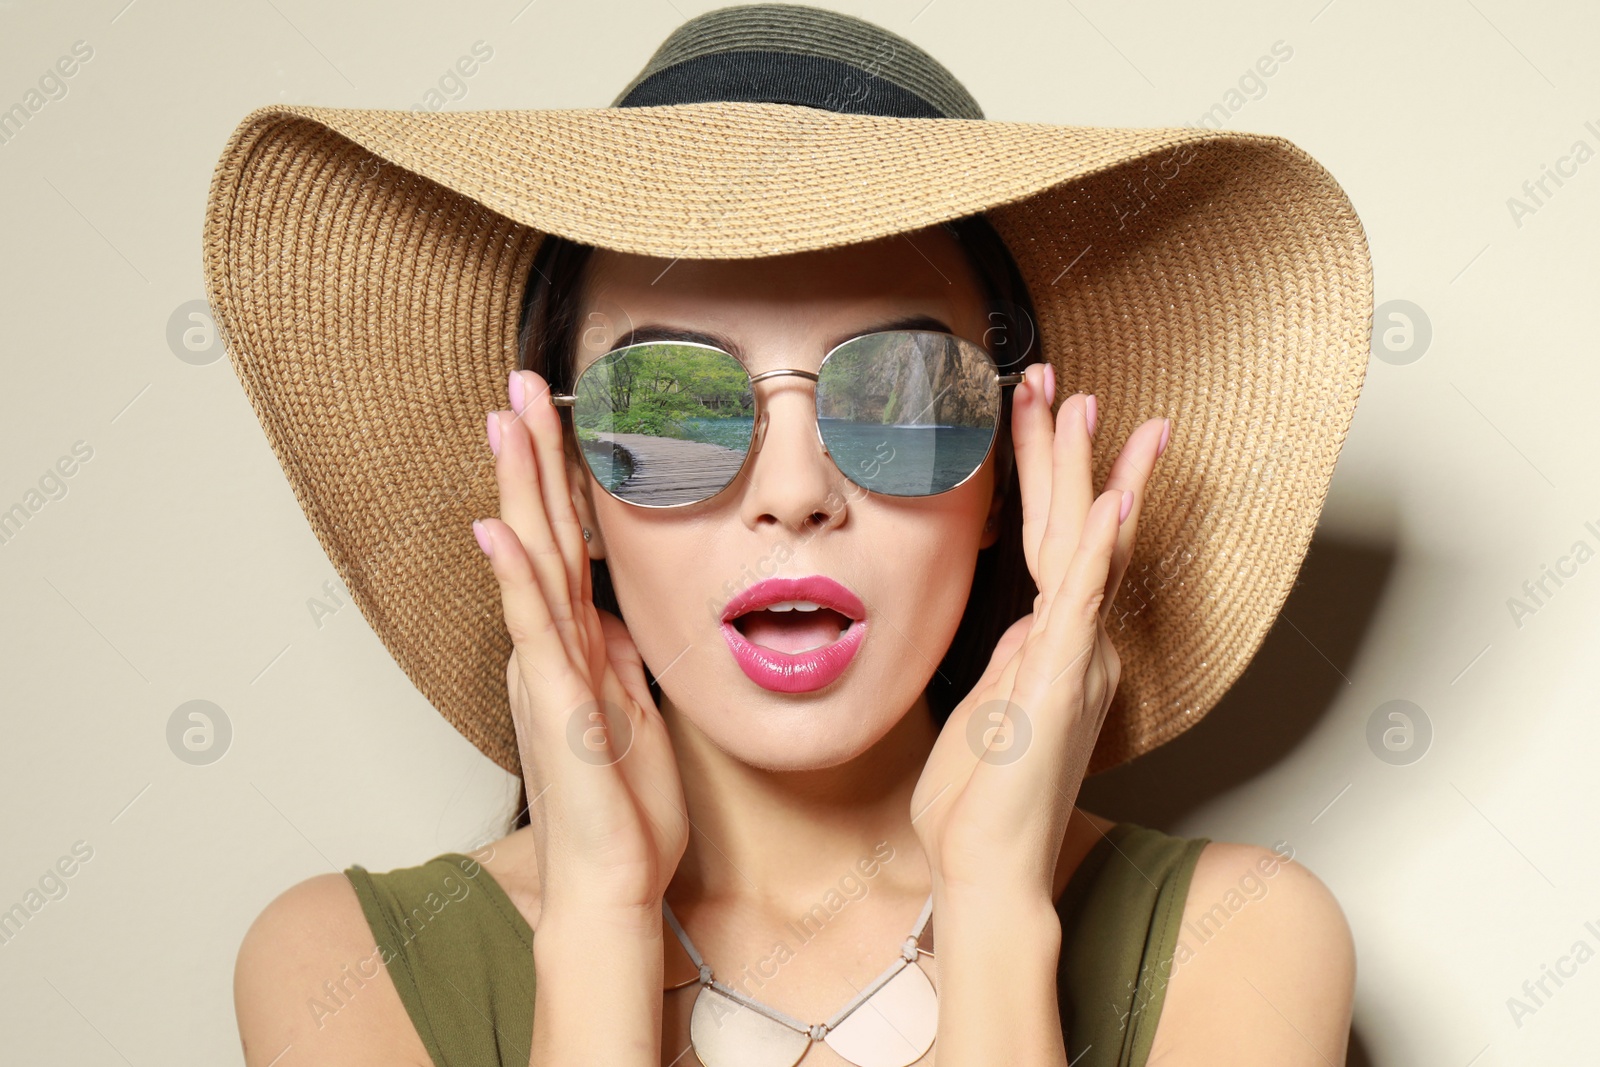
[(1002, 588)]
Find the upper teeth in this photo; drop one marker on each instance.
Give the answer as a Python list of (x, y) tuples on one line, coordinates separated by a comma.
[(793, 605)]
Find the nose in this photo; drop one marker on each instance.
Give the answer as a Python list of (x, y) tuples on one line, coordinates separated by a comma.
[(790, 481)]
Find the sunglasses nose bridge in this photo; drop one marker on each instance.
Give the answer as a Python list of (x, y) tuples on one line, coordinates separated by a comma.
[(764, 418)]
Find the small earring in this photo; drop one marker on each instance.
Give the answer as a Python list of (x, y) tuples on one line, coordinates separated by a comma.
[(586, 534)]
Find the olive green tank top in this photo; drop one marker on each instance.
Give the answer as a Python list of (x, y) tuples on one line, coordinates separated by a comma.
[(461, 954)]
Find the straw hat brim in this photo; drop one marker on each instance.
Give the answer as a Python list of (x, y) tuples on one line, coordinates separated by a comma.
[(365, 269)]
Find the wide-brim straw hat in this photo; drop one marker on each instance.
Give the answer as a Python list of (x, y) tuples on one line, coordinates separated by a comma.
[(366, 270)]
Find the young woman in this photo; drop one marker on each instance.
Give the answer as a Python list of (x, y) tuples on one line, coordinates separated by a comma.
[(807, 581)]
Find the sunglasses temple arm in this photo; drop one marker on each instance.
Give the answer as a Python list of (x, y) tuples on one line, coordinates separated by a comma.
[(560, 401), (1009, 379)]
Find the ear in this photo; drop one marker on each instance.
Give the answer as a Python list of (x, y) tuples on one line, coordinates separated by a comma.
[(991, 526), (579, 485)]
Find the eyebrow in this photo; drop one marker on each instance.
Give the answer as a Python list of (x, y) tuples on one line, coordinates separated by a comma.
[(642, 334)]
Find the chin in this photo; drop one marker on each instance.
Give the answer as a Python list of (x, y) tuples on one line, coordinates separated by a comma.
[(776, 732)]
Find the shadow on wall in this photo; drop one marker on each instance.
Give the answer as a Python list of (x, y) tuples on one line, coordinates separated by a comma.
[(1288, 687)]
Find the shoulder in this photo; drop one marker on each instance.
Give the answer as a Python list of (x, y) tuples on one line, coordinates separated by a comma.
[(309, 975), (1264, 965)]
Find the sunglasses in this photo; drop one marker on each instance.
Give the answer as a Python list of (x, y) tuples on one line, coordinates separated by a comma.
[(908, 413)]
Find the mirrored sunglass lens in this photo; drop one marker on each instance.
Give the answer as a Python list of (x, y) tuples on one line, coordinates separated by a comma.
[(908, 413), (663, 424)]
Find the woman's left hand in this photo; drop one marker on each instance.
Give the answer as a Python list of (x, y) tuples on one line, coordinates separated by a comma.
[(992, 804)]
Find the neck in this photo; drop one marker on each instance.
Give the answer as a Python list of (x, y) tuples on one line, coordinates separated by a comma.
[(781, 839)]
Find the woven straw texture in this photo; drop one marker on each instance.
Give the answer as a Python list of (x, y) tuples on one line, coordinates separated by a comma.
[(366, 267)]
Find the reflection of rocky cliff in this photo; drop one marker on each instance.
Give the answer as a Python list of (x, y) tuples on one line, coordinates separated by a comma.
[(903, 379)]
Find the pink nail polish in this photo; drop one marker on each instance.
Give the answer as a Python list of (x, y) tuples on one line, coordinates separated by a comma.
[(1166, 432), (1050, 381), (1093, 408), (482, 535), (514, 390), (1127, 506), (494, 432)]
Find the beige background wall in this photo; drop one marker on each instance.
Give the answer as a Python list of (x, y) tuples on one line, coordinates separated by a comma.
[(174, 564)]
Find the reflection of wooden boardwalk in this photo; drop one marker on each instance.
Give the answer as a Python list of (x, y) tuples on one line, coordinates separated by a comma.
[(669, 471)]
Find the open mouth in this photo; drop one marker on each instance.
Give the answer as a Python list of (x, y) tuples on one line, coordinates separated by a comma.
[(793, 626), (794, 635)]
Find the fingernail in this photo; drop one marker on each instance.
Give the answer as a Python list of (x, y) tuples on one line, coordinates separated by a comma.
[(1050, 381), (514, 390), (1166, 432), (482, 535), (494, 432), (1127, 506), (1093, 408)]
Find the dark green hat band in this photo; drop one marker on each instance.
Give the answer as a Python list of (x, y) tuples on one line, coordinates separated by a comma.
[(789, 54)]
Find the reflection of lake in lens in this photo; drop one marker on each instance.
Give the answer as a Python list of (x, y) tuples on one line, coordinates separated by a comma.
[(702, 455), (732, 432), (905, 460), (610, 463)]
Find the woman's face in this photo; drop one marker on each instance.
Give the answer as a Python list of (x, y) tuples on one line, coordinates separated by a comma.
[(791, 513)]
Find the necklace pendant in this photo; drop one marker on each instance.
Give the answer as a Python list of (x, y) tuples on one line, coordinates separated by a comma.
[(894, 1027), (725, 1033), (892, 1022)]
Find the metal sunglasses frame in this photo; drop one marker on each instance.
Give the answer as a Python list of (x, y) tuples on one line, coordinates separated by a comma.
[(758, 428)]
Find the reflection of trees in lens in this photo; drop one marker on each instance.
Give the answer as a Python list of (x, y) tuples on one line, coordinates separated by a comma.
[(656, 388)]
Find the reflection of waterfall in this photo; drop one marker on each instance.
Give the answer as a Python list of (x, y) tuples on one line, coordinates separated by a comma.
[(914, 406), (917, 400)]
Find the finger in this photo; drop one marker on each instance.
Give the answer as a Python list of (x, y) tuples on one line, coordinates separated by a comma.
[(522, 509), (1131, 471), (1070, 490), (540, 650), (1101, 524), (1113, 665), (1058, 659), (1002, 667), (544, 421), (624, 657), (1040, 649), (1032, 430)]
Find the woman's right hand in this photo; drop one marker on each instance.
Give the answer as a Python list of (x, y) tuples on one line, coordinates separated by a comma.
[(608, 814)]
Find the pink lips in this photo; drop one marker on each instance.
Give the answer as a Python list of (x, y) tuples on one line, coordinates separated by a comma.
[(798, 672)]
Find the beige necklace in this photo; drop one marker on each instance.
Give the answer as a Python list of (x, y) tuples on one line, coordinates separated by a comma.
[(729, 1029)]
